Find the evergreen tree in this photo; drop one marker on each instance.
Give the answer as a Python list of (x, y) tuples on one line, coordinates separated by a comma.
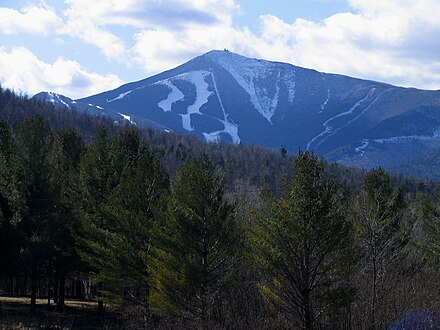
[(195, 245), (94, 188), (431, 226), (118, 244), (299, 244), (65, 160), (11, 201), (34, 140)]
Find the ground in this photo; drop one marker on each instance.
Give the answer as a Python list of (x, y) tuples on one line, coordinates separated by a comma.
[(14, 314)]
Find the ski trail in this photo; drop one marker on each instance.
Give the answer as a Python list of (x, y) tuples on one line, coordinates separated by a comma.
[(325, 102), (174, 96), (355, 118), (230, 127), (396, 139), (121, 96), (362, 147), (328, 128), (202, 95)]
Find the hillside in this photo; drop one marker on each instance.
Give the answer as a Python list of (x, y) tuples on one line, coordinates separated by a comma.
[(225, 97)]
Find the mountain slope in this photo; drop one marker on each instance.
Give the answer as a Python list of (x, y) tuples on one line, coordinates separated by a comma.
[(222, 96)]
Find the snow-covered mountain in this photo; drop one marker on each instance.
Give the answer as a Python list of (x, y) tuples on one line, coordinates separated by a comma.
[(224, 97)]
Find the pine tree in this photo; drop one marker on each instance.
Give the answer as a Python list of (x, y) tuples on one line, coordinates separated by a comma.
[(299, 244), (117, 240), (195, 245), (34, 140), (11, 200), (64, 160), (431, 226), (94, 190)]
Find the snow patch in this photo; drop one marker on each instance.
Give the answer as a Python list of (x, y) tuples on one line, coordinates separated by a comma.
[(396, 139), (54, 97), (248, 72), (362, 147), (127, 118), (328, 129), (121, 96), (197, 78), (202, 94), (174, 95), (229, 127), (289, 81), (325, 102)]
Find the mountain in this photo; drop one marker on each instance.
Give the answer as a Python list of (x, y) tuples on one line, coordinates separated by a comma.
[(225, 97)]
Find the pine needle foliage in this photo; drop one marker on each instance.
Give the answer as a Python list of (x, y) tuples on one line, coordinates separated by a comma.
[(299, 243)]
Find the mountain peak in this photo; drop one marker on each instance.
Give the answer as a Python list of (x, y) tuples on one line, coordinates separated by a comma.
[(226, 55), (222, 96)]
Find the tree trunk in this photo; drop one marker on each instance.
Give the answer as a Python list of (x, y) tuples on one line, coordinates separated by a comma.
[(62, 285), (33, 289), (373, 298), (55, 287), (87, 289), (308, 318), (205, 279), (100, 302), (48, 292)]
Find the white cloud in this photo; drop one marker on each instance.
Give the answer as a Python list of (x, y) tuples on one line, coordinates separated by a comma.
[(393, 41), (149, 13), (166, 22), (158, 50), (21, 69), (110, 45), (32, 19), (382, 40)]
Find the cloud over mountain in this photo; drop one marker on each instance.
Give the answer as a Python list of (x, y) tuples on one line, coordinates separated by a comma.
[(393, 41), (20, 68)]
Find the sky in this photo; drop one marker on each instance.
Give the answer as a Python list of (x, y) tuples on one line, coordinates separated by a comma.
[(81, 47)]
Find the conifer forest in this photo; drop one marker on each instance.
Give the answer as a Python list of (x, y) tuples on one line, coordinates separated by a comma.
[(154, 230)]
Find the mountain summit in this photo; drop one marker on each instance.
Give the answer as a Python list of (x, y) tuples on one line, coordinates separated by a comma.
[(225, 97)]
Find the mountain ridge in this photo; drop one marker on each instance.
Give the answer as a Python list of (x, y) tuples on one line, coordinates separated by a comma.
[(221, 96)]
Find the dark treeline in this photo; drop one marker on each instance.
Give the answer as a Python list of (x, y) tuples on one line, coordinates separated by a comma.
[(254, 167), (174, 233)]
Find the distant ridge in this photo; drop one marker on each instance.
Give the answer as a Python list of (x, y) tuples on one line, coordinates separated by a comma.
[(221, 96)]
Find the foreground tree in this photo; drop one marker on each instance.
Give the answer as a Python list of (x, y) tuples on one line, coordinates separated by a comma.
[(34, 141), (65, 159), (11, 201), (300, 243), (430, 246), (196, 245), (377, 213), (116, 240), (94, 187)]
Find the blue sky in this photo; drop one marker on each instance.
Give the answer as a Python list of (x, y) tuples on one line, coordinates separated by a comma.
[(83, 47)]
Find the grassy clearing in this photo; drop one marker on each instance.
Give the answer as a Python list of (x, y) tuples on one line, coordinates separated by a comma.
[(14, 314)]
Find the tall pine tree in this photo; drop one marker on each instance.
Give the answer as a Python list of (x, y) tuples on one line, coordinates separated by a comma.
[(299, 243), (34, 140), (65, 160), (11, 201), (195, 245), (117, 241)]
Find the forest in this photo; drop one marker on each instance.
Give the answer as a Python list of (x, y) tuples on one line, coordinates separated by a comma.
[(162, 231)]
